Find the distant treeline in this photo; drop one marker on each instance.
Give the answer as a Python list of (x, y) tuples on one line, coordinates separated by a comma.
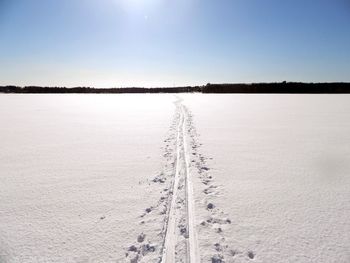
[(278, 87), (37, 89)]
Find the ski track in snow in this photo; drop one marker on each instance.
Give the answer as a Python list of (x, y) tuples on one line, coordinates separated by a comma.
[(185, 168), (180, 243)]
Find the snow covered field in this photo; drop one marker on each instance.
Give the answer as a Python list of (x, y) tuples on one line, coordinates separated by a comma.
[(70, 170), (193, 178), (283, 166)]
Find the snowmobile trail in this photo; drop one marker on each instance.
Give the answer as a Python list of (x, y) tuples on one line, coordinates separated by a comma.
[(180, 243)]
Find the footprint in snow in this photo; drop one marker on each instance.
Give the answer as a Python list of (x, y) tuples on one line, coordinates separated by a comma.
[(217, 259), (132, 248), (147, 248), (210, 206), (213, 220), (218, 229), (233, 252), (217, 247), (251, 254), (210, 190), (206, 181), (141, 237)]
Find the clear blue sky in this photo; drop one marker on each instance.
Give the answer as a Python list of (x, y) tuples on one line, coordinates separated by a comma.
[(113, 43)]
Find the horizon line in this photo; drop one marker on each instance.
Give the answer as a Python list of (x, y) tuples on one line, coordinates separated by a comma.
[(177, 86)]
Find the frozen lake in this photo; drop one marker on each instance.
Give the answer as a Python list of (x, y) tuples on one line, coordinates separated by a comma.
[(283, 162), (66, 161), (89, 178)]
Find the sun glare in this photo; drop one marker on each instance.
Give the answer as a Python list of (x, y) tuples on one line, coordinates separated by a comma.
[(135, 5)]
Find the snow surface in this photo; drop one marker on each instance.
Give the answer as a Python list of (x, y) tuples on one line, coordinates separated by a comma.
[(70, 168), (283, 166), (90, 178)]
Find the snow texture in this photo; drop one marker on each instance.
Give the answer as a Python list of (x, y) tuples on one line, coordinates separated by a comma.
[(164, 178), (281, 166)]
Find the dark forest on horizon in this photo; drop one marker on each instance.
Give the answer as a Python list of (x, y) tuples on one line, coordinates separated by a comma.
[(277, 87)]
